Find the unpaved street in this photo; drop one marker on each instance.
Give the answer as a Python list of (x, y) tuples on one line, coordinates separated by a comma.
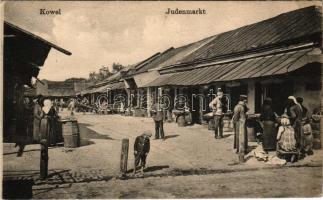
[(188, 163)]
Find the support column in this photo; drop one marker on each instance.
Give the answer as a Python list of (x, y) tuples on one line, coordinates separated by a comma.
[(128, 97), (138, 97), (148, 101), (251, 96)]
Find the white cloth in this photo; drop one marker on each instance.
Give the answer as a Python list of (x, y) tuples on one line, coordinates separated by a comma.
[(47, 106)]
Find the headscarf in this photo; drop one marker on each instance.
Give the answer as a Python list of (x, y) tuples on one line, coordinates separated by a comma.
[(285, 120), (47, 105), (295, 101)]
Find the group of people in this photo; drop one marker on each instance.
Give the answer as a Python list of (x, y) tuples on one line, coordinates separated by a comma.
[(294, 132)]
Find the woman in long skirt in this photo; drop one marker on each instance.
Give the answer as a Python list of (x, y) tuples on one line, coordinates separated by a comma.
[(48, 123), (268, 119)]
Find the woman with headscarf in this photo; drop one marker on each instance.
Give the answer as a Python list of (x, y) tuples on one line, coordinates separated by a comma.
[(37, 116), (294, 112), (268, 119), (48, 123)]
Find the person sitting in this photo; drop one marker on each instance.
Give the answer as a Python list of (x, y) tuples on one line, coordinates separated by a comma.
[(286, 135)]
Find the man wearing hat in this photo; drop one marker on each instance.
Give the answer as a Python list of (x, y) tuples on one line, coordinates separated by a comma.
[(141, 150), (240, 133), (216, 106)]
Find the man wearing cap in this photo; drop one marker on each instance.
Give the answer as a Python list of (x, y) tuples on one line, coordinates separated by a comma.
[(216, 106), (240, 133), (158, 117), (141, 150)]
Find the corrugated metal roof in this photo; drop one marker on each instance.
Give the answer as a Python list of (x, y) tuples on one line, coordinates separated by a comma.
[(295, 26), (269, 65)]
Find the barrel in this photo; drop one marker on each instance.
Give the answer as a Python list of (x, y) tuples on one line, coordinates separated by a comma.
[(188, 118), (181, 121), (211, 124), (71, 134), (316, 144), (227, 127), (316, 134), (250, 124)]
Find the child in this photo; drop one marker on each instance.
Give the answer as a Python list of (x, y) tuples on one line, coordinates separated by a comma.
[(286, 138), (286, 135)]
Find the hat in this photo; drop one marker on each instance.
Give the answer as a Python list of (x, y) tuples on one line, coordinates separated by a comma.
[(147, 133), (243, 97), (285, 116)]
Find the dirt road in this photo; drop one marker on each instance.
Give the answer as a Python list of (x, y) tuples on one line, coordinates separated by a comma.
[(210, 165)]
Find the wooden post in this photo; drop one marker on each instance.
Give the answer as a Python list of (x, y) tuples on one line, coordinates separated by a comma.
[(148, 101), (43, 159), (124, 156)]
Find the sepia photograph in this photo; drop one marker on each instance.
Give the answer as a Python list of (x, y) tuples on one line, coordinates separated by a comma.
[(161, 99)]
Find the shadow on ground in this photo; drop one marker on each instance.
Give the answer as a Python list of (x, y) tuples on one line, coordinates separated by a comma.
[(87, 134), (170, 136), (150, 169)]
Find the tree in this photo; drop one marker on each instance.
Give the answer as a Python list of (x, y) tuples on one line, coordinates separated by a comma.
[(117, 67)]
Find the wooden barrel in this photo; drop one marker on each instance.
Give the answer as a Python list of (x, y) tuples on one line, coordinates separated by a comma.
[(188, 118), (211, 124), (251, 134), (181, 121), (316, 144), (227, 127), (71, 133), (316, 134)]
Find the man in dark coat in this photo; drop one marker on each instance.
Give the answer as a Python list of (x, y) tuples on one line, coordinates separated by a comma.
[(141, 150), (158, 117), (240, 133)]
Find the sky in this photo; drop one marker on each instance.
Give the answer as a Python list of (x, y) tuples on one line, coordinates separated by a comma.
[(100, 33)]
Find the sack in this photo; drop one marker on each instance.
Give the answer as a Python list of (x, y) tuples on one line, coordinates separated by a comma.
[(307, 129)]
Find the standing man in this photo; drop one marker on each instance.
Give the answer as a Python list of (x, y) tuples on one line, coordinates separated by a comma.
[(158, 116), (216, 106), (141, 150), (240, 133)]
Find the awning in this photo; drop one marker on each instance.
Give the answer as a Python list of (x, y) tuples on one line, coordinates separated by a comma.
[(241, 69)]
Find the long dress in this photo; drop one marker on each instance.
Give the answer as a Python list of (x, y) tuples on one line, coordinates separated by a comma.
[(286, 138), (48, 129), (36, 122), (295, 114), (240, 133), (269, 130)]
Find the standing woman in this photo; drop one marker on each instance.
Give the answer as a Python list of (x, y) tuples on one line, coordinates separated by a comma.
[(268, 119), (48, 123), (37, 115), (294, 112)]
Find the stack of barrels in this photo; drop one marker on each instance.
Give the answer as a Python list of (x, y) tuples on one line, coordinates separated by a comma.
[(315, 124)]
